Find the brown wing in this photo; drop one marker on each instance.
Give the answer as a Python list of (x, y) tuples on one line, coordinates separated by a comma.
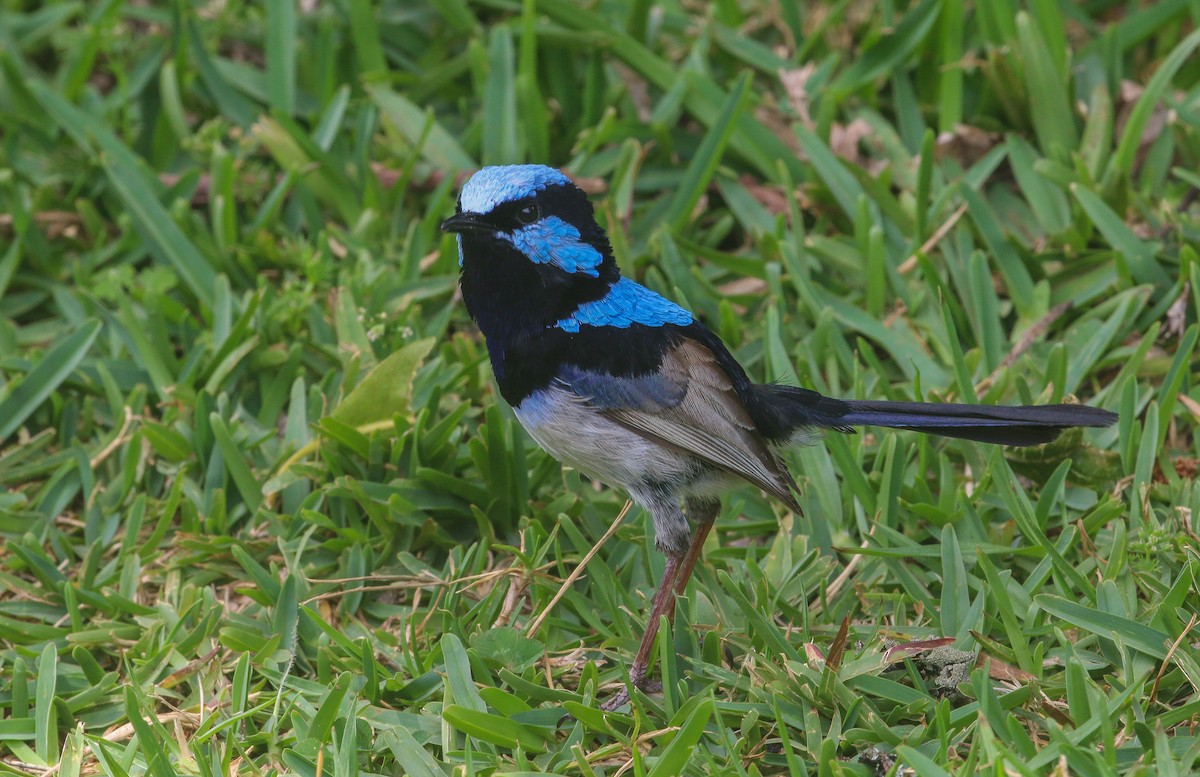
[(709, 421)]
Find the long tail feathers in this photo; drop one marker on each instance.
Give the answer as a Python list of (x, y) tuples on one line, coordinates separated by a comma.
[(1028, 425)]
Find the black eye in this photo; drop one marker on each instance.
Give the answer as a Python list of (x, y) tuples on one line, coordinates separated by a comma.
[(528, 214)]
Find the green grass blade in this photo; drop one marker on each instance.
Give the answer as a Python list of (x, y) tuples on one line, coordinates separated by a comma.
[(54, 367), (364, 31), (247, 484), (45, 715), (500, 145), (440, 148), (682, 748), (1121, 165), (1053, 117), (1136, 635), (704, 163), (890, 51), (163, 237), (1139, 256), (281, 55)]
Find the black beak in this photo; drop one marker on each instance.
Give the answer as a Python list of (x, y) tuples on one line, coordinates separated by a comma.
[(466, 222)]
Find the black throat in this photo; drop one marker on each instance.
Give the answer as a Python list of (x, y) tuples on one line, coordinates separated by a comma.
[(513, 299), (516, 301)]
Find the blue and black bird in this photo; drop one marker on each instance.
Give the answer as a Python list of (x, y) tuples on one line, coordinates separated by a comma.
[(629, 388)]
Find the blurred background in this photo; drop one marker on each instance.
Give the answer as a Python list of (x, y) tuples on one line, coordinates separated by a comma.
[(264, 511)]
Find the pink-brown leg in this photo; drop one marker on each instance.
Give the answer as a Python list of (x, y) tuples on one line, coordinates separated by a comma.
[(675, 580), (704, 513), (663, 604)]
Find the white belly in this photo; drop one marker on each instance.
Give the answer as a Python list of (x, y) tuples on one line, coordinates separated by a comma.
[(656, 476), (580, 436)]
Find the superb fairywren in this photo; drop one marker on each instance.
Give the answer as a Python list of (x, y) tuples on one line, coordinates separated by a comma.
[(631, 389)]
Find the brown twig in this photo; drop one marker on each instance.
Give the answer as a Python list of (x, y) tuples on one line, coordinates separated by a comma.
[(1032, 335), (911, 262), (577, 572)]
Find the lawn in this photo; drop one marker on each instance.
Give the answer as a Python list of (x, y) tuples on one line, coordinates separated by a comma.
[(264, 512)]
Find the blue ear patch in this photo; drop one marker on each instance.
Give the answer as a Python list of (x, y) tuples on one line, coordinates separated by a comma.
[(493, 185), (554, 241), (627, 303)]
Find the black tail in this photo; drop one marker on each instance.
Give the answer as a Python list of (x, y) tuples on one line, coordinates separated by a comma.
[(1030, 425)]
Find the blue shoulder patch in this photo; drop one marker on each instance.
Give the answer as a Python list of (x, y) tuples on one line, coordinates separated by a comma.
[(554, 241), (493, 185), (627, 303)]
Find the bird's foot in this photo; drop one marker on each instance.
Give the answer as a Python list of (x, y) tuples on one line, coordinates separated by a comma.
[(621, 697), (616, 701)]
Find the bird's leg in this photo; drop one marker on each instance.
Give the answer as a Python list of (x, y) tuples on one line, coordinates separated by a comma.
[(663, 604), (675, 578), (704, 513)]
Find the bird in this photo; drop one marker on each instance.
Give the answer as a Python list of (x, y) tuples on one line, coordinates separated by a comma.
[(633, 390)]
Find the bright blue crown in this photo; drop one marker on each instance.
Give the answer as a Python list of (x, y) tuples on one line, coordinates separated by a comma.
[(493, 185)]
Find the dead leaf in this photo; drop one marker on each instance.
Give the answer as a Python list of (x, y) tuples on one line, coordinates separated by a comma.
[(966, 144), (770, 197), (54, 223), (743, 286), (1176, 318), (908, 649), (795, 86), (844, 139), (999, 670)]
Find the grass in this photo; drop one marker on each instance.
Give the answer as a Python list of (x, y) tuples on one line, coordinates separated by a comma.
[(263, 512)]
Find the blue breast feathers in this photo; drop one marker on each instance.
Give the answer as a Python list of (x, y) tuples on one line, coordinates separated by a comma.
[(493, 185), (554, 241), (627, 303)]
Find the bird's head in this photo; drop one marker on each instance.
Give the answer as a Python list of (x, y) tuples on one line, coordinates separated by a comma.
[(529, 246)]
